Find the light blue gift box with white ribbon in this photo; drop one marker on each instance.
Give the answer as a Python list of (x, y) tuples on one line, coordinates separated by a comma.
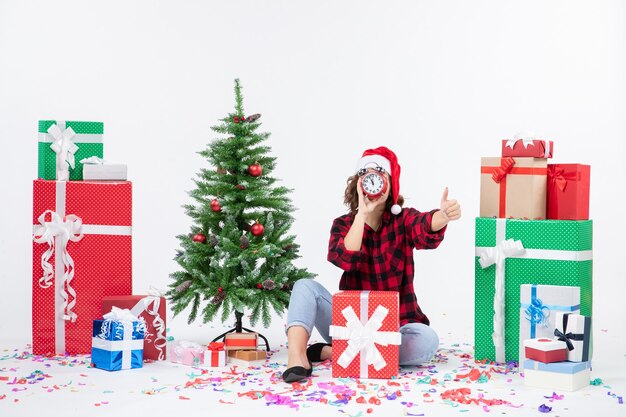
[(117, 343), (539, 305)]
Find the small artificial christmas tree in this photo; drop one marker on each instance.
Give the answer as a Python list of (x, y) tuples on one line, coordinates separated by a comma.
[(238, 255)]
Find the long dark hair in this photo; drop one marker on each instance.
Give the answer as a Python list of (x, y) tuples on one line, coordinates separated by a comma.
[(351, 196)]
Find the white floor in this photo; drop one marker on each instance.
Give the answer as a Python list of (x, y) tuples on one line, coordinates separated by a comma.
[(31, 386)]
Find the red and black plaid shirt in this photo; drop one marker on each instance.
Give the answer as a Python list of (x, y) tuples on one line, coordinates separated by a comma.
[(385, 261)]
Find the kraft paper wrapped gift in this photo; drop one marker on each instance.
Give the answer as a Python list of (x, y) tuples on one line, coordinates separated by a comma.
[(365, 332), (186, 353), (248, 355), (511, 252), (575, 330), (117, 341), (241, 341), (215, 355), (82, 252), (513, 188), (545, 350), (559, 376), (527, 147), (63, 144), (568, 191), (539, 308), (150, 308)]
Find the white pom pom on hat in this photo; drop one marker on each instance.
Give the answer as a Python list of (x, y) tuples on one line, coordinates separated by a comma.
[(385, 158)]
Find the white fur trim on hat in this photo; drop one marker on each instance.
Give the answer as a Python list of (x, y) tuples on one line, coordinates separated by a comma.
[(371, 161)]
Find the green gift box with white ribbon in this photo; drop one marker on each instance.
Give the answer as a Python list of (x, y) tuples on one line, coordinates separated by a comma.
[(512, 252), (63, 144)]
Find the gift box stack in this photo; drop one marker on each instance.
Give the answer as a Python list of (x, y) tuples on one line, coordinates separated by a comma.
[(82, 255), (244, 346), (560, 362), (533, 229), (82, 242)]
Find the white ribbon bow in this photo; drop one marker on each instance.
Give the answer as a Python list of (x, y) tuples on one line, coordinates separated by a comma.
[(59, 231), (92, 160), (120, 314), (526, 138), (362, 338), (154, 300), (497, 256), (64, 147), (123, 339)]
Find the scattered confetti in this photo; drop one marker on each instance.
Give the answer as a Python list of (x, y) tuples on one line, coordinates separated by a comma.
[(544, 408)]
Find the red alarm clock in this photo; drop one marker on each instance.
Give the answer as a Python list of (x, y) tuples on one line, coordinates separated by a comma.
[(374, 184)]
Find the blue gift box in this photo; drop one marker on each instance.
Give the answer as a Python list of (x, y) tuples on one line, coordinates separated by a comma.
[(117, 345), (558, 367)]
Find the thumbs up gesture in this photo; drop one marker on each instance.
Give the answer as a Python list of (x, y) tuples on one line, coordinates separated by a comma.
[(449, 209)]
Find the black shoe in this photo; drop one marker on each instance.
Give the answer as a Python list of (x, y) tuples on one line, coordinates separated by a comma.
[(314, 352), (297, 373)]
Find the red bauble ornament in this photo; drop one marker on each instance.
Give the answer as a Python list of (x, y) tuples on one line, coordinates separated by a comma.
[(199, 237), (241, 187), (255, 170), (257, 229), (259, 286), (236, 119), (215, 205), (220, 289)]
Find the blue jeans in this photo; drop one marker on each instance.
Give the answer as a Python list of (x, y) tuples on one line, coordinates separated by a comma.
[(310, 306)]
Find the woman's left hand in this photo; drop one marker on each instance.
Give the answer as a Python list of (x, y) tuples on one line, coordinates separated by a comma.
[(450, 209)]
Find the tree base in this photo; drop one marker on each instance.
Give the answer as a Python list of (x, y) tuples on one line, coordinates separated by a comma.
[(239, 329)]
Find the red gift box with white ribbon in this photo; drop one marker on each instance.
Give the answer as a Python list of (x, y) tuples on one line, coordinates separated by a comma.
[(527, 146), (151, 308), (365, 332), (82, 252), (545, 350)]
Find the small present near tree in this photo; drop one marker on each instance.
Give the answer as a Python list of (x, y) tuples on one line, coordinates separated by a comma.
[(239, 255)]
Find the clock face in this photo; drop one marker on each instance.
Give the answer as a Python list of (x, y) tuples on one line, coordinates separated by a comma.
[(373, 184)]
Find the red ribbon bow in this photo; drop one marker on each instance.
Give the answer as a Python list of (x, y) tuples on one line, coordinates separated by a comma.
[(506, 164), (216, 346), (556, 177)]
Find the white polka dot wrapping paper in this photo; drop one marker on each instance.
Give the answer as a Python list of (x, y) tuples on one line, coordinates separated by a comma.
[(82, 252), (365, 331)]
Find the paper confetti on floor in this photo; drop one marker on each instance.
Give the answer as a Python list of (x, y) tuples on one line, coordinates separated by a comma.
[(452, 379)]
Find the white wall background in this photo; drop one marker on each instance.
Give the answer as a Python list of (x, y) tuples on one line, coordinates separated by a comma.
[(441, 83)]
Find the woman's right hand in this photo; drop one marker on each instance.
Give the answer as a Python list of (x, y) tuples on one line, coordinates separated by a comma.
[(367, 206)]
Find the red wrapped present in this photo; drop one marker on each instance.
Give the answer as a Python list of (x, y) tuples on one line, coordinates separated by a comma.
[(527, 146), (82, 252), (545, 350), (241, 341), (215, 355), (365, 334), (152, 309), (568, 192), (513, 188)]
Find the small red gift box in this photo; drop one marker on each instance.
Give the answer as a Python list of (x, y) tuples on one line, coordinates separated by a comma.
[(152, 309), (568, 192), (522, 147), (215, 355), (82, 252), (545, 350), (365, 334), (241, 341)]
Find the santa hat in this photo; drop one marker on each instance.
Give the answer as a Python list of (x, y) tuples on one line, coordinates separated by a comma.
[(386, 159)]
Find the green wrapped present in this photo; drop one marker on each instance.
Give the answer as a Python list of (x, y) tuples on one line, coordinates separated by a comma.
[(65, 144), (511, 252)]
